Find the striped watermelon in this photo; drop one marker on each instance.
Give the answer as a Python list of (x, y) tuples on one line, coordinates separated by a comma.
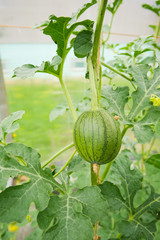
[(97, 136)]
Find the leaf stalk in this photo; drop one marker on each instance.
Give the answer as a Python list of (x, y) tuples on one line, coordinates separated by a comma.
[(119, 73), (57, 154), (66, 164)]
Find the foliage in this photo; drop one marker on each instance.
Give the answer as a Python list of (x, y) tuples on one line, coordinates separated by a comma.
[(125, 204)]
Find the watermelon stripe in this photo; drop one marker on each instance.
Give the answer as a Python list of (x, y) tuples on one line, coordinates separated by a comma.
[(84, 134), (117, 145), (77, 124), (104, 147)]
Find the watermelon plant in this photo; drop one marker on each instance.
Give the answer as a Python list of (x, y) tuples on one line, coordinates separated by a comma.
[(108, 189)]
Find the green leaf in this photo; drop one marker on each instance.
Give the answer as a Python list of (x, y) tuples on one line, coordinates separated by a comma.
[(80, 11), (79, 178), (68, 221), (112, 194), (83, 43), (152, 175), (154, 160), (83, 105), (139, 52), (135, 230), (59, 30), (126, 54), (26, 70), (143, 133), (77, 164), (35, 234), (151, 8), (94, 205), (117, 100), (9, 124), (145, 88), (157, 2), (107, 229), (158, 227), (15, 201), (59, 110), (114, 6), (69, 218), (151, 117), (140, 221), (147, 60), (130, 177)]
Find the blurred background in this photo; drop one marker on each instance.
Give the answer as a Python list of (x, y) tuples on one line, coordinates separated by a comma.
[(21, 43)]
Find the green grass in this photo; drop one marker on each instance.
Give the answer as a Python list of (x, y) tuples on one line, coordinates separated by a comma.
[(38, 99)]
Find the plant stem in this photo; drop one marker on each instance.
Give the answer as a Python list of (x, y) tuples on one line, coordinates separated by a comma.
[(58, 153), (119, 73), (126, 127), (3, 143), (93, 176), (150, 148), (100, 86), (157, 30), (110, 26), (98, 29), (142, 160), (63, 85), (96, 237), (94, 103), (66, 164), (97, 38), (70, 103), (95, 60), (106, 171)]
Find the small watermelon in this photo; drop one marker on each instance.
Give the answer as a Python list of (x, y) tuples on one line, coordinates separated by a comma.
[(97, 136)]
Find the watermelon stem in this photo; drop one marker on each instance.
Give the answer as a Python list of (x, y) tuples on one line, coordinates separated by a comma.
[(66, 164), (57, 154), (97, 39), (106, 171), (119, 73), (95, 177), (94, 102), (126, 127)]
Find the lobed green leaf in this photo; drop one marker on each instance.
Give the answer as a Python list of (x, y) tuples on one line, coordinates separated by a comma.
[(9, 124), (15, 201), (69, 217)]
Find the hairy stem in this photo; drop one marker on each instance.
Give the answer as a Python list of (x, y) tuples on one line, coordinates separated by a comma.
[(63, 85), (66, 164), (106, 171), (58, 153), (96, 237), (126, 127), (150, 148), (69, 100), (94, 103), (93, 176), (100, 86), (110, 27), (97, 38), (157, 30), (142, 160), (119, 73)]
